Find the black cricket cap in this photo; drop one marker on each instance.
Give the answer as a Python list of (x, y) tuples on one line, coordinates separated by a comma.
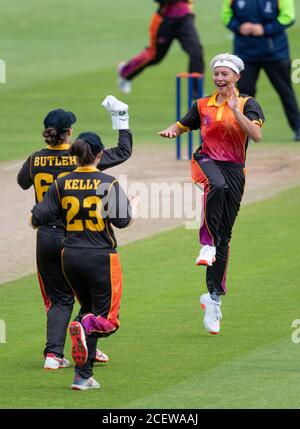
[(93, 141), (59, 119)]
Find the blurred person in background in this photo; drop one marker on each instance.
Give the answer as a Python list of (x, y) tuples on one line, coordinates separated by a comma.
[(174, 19), (260, 40)]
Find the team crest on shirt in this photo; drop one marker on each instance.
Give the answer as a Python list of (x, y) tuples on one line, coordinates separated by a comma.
[(241, 4), (205, 120), (268, 7)]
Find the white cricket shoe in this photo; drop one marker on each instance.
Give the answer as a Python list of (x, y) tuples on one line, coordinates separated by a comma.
[(123, 84), (101, 357), (53, 362), (80, 383), (212, 313), (207, 255)]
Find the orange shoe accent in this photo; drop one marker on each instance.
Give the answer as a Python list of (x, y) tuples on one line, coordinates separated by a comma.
[(203, 306), (202, 262), (79, 348), (55, 369)]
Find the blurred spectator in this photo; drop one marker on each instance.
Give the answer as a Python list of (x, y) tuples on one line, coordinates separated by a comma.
[(174, 19), (260, 39)]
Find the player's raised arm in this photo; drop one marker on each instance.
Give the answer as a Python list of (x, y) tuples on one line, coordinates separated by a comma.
[(120, 121)]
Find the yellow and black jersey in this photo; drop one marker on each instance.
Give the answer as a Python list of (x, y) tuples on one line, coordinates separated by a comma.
[(88, 202), (43, 167)]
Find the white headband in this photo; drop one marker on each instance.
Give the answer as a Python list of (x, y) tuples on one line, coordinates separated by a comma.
[(226, 63)]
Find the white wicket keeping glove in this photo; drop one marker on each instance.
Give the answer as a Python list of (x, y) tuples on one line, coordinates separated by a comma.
[(118, 111)]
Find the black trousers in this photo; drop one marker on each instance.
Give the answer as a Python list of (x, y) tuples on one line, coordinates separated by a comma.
[(223, 185), (279, 73), (57, 294), (96, 278), (163, 32)]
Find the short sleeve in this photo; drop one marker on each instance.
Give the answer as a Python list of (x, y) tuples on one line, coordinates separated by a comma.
[(24, 178), (191, 121), (253, 112)]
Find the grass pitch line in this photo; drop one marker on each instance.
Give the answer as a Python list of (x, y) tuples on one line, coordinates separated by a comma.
[(266, 378)]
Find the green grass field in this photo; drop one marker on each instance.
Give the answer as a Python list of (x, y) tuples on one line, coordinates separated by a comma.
[(162, 357), (65, 54)]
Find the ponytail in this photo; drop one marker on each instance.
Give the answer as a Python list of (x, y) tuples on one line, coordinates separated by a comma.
[(82, 150), (54, 137)]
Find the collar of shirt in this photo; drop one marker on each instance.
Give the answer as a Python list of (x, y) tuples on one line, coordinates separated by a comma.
[(63, 146), (86, 170), (213, 99)]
